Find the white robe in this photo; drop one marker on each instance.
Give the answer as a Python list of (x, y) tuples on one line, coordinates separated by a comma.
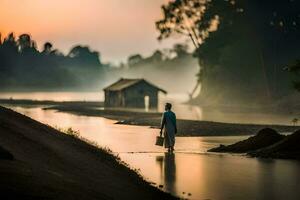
[(168, 122)]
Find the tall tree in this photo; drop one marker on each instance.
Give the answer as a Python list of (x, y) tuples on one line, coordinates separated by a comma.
[(245, 54), (195, 19)]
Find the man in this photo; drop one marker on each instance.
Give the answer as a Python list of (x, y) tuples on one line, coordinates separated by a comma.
[(168, 122)]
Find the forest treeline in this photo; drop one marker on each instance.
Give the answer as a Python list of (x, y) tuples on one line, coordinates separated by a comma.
[(24, 67), (246, 53)]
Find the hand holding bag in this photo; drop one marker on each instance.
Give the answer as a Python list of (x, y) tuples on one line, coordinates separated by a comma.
[(159, 140)]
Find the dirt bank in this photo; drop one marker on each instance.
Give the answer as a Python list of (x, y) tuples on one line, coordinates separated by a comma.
[(47, 164)]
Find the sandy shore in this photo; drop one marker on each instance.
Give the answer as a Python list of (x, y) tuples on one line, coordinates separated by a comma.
[(48, 164), (185, 127)]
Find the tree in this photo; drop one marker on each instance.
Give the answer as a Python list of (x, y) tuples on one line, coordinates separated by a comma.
[(181, 50), (295, 121), (10, 38), (47, 48), (83, 55), (157, 56), (134, 59), (9, 44), (195, 19), (9, 52), (25, 43)]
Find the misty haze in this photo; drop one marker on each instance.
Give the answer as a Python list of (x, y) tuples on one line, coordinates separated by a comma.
[(162, 99)]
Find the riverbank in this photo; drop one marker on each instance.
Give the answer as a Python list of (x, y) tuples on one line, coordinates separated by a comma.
[(152, 119), (48, 164), (185, 127)]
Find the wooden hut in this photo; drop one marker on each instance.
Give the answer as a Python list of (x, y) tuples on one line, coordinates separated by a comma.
[(132, 93)]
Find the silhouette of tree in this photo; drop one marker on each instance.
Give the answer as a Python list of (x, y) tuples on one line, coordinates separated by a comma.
[(22, 66), (295, 121), (9, 44), (83, 55), (9, 53), (134, 59), (245, 39), (157, 56), (25, 43), (195, 19), (47, 48), (180, 50)]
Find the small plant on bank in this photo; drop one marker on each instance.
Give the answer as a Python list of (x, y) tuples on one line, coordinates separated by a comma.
[(72, 132), (76, 134), (295, 121)]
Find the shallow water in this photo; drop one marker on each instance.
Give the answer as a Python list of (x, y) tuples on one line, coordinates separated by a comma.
[(190, 169), (183, 111), (54, 96)]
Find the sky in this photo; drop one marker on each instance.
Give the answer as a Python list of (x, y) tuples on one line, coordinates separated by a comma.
[(115, 28)]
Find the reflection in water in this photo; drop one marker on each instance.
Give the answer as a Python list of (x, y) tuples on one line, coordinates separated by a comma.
[(183, 111), (266, 178), (168, 170), (189, 169), (54, 96)]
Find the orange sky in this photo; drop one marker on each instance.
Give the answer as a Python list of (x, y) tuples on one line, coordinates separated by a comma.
[(116, 28)]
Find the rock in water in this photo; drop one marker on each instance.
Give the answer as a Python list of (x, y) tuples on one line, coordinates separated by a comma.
[(288, 148), (265, 137)]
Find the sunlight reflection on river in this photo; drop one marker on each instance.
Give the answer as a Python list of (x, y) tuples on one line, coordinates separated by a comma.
[(183, 111), (190, 169)]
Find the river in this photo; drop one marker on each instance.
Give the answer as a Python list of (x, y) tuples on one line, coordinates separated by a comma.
[(190, 172), (183, 111)]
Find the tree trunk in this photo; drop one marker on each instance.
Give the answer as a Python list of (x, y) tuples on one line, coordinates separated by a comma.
[(200, 83)]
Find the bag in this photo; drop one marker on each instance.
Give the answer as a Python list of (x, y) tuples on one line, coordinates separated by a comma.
[(159, 141)]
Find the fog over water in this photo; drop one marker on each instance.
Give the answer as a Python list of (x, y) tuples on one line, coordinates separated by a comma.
[(231, 61), (182, 110)]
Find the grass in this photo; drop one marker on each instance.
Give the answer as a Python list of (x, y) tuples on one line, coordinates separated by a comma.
[(76, 134)]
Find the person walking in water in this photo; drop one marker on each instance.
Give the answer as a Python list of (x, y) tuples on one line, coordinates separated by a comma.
[(168, 123)]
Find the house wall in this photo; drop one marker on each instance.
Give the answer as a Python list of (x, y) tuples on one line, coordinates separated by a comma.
[(113, 99), (134, 96)]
